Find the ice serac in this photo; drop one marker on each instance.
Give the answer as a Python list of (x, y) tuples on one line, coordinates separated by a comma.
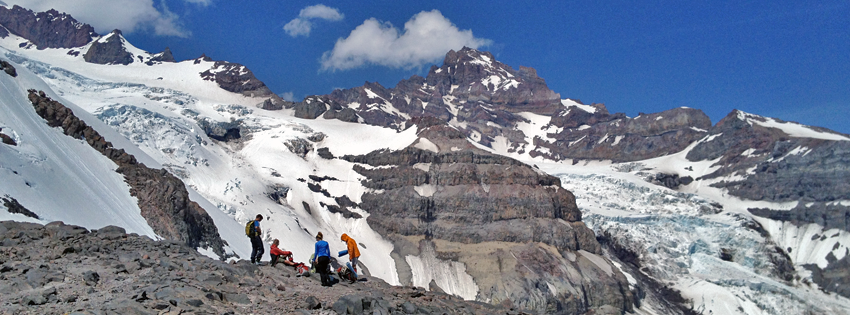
[(109, 50), (767, 159), (49, 29), (517, 231), (163, 198)]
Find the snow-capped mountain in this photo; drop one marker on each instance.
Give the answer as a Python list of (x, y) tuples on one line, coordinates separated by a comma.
[(477, 180)]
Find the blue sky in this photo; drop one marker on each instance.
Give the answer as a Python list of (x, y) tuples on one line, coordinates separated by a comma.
[(783, 59)]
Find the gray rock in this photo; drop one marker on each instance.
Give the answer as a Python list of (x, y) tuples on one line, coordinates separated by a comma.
[(237, 298), (312, 303), (91, 278), (349, 304), (408, 308)]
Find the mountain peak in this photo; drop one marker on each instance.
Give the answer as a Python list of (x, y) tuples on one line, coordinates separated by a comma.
[(50, 29), (109, 49)]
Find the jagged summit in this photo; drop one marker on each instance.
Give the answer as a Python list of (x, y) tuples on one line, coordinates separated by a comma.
[(49, 29), (483, 77), (511, 111)]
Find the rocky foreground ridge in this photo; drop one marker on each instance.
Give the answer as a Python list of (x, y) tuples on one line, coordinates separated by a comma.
[(65, 269)]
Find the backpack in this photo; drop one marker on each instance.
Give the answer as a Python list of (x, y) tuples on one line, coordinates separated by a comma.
[(249, 229), (301, 268), (346, 274)]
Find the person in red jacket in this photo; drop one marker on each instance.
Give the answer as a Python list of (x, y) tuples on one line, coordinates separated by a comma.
[(277, 253), (353, 252)]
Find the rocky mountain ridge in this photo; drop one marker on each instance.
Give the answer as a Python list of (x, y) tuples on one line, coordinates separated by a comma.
[(49, 29), (491, 103), (56, 30)]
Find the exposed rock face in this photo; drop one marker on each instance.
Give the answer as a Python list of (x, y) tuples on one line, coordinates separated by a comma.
[(778, 167), (109, 50), (514, 224), (7, 139), (601, 136), (107, 271), (163, 199), (672, 181), (13, 206), (49, 29), (236, 78), (786, 168), (834, 276), (164, 56), (8, 68)]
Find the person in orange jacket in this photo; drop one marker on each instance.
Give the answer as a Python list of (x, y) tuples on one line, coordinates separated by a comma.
[(353, 252)]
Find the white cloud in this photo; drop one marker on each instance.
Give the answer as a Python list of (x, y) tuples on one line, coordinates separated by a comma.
[(288, 96), (302, 25), (427, 37), (297, 27), (200, 2), (127, 15)]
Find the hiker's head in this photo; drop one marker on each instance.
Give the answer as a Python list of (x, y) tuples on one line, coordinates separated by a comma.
[(344, 237), (259, 217), (276, 242), (319, 236)]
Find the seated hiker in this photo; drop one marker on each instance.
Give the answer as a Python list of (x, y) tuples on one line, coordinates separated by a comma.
[(277, 254)]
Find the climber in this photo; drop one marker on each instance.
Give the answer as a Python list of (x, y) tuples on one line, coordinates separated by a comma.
[(353, 252), (323, 258), (284, 256)]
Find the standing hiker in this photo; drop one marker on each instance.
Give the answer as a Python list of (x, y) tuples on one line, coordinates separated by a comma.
[(253, 231), (353, 252), (323, 258)]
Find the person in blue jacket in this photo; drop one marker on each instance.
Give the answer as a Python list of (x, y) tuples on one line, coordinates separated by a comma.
[(323, 258)]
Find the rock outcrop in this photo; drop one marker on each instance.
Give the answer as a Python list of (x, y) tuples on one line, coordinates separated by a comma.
[(49, 29), (519, 234), (13, 206), (109, 50), (163, 198), (59, 269), (236, 78), (778, 166), (8, 68), (164, 56), (601, 136)]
